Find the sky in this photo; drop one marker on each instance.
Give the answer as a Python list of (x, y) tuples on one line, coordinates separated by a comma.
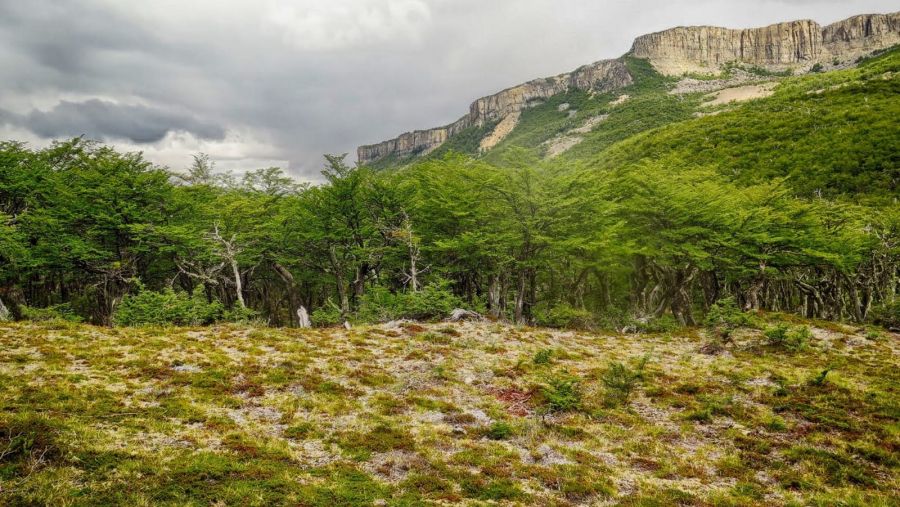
[(279, 83)]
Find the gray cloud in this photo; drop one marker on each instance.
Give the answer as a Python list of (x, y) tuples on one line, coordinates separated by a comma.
[(98, 119), (263, 81)]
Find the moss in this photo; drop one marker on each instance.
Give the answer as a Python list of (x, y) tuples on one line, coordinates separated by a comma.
[(382, 438), (130, 434)]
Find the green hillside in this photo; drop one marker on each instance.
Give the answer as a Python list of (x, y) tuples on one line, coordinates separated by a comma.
[(837, 132), (832, 133)]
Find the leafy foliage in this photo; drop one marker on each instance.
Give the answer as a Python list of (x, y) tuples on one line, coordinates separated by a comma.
[(562, 393), (168, 308)]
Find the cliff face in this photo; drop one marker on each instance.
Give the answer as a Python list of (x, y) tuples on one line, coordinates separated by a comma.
[(793, 45), (859, 35), (600, 76), (797, 44)]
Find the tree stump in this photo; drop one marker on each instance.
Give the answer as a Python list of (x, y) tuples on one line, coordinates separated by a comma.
[(303, 317)]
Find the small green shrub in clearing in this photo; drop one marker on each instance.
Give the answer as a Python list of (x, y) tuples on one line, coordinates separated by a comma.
[(726, 314), (819, 378), (434, 301), (887, 314), (620, 381), (792, 339), (499, 431), (562, 393), (242, 315), (167, 308), (664, 324), (378, 304), (563, 315), (543, 356), (327, 315), (63, 312)]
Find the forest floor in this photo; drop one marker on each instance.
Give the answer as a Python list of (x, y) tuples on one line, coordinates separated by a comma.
[(444, 414)]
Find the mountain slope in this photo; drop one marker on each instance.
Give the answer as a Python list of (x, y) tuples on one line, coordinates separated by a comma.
[(833, 133), (662, 76)]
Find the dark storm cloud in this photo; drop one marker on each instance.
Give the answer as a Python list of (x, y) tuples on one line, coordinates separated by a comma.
[(98, 119), (282, 80)]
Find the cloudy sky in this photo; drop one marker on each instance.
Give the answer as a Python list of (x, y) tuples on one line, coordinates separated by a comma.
[(276, 82)]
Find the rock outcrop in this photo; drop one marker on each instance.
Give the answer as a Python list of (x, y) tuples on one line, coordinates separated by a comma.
[(600, 77), (796, 45), (860, 35)]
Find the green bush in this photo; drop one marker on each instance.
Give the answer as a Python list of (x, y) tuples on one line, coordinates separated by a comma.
[(543, 356), (378, 305), (53, 312), (788, 338), (887, 314), (562, 393), (620, 381), (663, 324), (499, 431), (242, 315), (327, 315), (432, 302), (168, 307), (725, 313), (563, 315)]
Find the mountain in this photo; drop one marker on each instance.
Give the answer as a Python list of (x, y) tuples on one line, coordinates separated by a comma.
[(687, 60)]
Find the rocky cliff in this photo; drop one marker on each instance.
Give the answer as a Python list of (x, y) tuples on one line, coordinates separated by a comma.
[(796, 45), (600, 76), (860, 35)]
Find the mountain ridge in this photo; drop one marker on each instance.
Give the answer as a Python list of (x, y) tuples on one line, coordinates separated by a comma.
[(793, 46)]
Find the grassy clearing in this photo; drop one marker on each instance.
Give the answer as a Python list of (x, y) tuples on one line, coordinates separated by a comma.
[(470, 414)]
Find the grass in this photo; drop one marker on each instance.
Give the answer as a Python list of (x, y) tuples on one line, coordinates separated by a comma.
[(472, 414)]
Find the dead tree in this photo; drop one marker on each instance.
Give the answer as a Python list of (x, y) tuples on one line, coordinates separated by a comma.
[(229, 252), (4, 312)]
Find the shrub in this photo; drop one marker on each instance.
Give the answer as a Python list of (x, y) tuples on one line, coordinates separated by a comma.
[(562, 393), (563, 315), (725, 313), (327, 315), (543, 356), (168, 308), (54, 312), (663, 324), (499, 431), (378, 305), (620, 381), (240, 314), (887, 314), (434, 301), (819, 378), (791, 339)]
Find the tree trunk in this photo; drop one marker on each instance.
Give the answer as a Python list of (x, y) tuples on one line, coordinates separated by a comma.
[(359, 284), (303, 317), (238, 283), (339, 282), (288, 279), (4, 312), (520, 299), (494, 297)]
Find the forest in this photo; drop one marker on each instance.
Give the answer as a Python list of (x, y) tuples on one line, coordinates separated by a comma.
[(106, 237), (789, 204)]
